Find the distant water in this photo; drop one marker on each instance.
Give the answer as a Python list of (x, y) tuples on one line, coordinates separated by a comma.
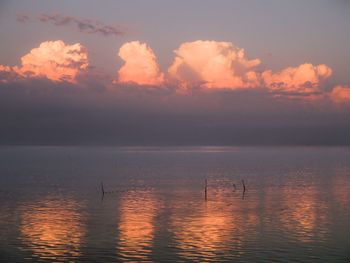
[(296, 207)]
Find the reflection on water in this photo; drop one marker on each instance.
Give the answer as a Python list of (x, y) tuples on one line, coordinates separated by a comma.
[(300, 217), (296, 207), (303, 213), (341, 186), (205, 230), (136, 225), (52, 229)]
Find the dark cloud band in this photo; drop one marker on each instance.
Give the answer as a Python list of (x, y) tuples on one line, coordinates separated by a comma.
[(83, 25)]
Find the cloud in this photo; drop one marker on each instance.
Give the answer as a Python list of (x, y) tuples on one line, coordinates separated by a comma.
[(340, 94), (222, 65), (83, 25), (198, 65), (303, 80), (23, 18), (54, 60), (10, 74), (140, 66), (213, 65)]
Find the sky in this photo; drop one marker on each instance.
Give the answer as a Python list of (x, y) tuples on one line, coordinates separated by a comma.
[(161, 72)]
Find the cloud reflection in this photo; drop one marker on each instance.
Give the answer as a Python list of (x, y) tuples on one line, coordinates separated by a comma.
[(137, 225), (205, 230), (303, 214), (53, 229), (341, 186)]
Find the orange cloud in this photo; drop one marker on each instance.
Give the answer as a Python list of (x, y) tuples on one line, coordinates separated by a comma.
[(206, 64), (340, 94), (302, 80), (8, 74), (140, 66), (217, 65), (52, 59), (213, 65)]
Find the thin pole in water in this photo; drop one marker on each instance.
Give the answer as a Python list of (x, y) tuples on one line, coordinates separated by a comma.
[(243, 185), (102, 189), (243, 189), (206, 190)]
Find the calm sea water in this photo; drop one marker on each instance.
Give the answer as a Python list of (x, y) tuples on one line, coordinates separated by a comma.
[(296, 207)]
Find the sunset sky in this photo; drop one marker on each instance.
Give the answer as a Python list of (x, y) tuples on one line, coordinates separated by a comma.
[(193, 72)]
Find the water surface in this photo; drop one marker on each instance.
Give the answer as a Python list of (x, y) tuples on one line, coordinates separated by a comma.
[(296, 207)]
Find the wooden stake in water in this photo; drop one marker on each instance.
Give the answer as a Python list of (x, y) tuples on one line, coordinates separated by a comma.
[(243, 186), (102, 189), (206, 190), (243, 189)]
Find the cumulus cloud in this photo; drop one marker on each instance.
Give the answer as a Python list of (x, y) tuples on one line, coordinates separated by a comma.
[(222, 65), (9, 74), (213, 64), (83, 25), (340, 94), (140, 66), (200, 64), (54, 60), (302, 80)]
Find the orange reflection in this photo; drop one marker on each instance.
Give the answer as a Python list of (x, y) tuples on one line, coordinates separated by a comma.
[(208, 229), (136, 226), (341, 186), (52, 229), (301, 213)]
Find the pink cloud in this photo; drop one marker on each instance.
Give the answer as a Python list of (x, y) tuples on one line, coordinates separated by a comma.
[(54, 60), (340, 94), (140, 66), (222, 65), (9, 74), (305, 79), (213, 65), (205, 64)]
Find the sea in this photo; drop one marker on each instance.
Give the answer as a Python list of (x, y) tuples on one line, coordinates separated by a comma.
[(174, 204)]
